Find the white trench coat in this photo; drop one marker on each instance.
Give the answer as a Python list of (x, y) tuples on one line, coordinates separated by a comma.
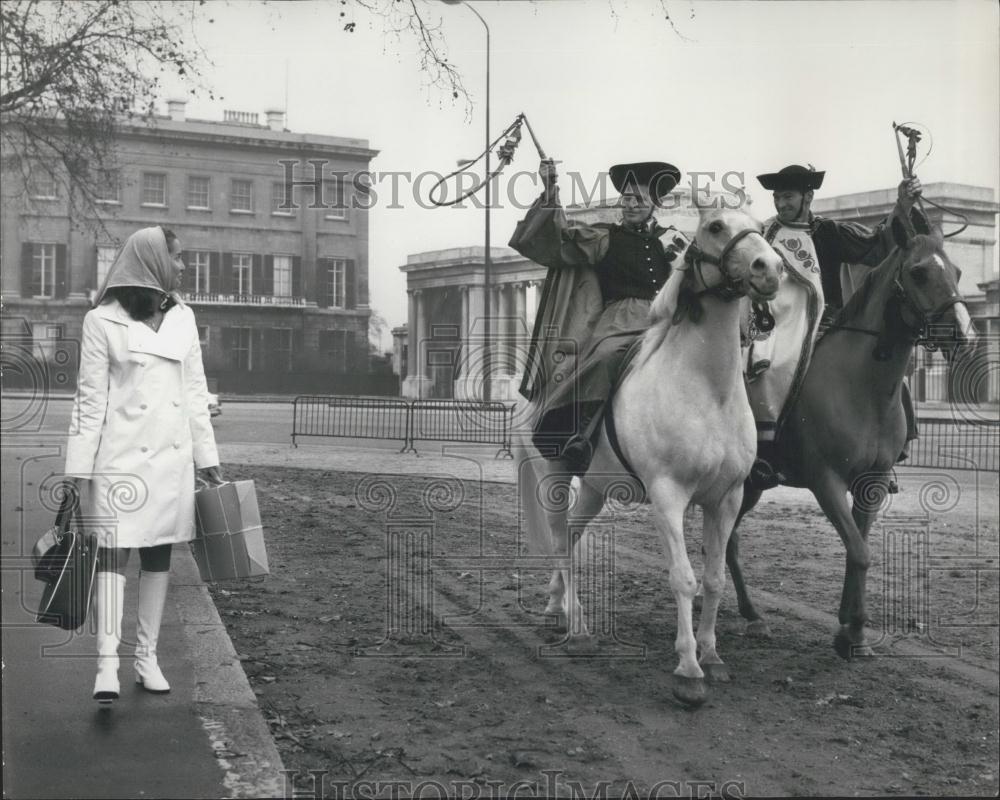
[(140, 425)]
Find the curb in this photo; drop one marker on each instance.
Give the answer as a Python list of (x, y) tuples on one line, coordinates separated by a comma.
[(223, 699)]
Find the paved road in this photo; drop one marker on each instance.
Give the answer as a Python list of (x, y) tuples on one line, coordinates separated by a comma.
[(248, 422), (204, 739)]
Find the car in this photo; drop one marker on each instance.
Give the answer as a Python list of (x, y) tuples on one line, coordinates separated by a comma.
[(214, 405)]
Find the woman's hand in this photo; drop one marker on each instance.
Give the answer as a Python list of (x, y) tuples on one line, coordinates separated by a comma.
[(212, 475)]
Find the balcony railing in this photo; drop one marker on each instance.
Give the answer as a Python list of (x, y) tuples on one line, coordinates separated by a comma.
[(216, 298)]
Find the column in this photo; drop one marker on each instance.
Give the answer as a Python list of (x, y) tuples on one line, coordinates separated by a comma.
[(521, 332), (420, 332), (463, 331), (411, 330), (502, 329), (520, 314), (416, 382), (469, 385)]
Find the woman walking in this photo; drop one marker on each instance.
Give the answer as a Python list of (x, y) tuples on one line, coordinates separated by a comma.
[(140, 426)]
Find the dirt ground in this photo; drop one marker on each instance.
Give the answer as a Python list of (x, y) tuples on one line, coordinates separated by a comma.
[(399, 639)]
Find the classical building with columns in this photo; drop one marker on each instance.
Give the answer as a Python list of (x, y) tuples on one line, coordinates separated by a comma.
[(447, 299)]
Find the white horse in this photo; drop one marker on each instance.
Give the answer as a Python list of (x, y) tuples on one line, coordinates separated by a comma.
[(684, 426)]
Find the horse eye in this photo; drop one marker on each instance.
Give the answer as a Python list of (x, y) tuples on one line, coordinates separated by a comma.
[(715, 227), (919, 274)]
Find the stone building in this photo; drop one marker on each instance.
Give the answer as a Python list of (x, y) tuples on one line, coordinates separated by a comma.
[(447, 296), (280, 290)]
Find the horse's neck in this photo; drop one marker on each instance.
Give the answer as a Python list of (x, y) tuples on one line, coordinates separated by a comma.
[(710, 347), (870, 316)]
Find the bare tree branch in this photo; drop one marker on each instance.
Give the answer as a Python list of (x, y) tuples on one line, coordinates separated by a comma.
[(71, 73)]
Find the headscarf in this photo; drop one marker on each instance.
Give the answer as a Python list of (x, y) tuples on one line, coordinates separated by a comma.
[(144, 261)]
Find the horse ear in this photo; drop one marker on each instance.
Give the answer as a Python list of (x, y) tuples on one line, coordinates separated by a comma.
[(899, 232)]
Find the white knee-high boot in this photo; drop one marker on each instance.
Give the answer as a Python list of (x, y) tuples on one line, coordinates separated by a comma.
[(152, 597), (109, 588)]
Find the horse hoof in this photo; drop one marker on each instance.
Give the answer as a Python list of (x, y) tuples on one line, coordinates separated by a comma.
[(847, 648), (716, 673), (757, 629), (690, 691)]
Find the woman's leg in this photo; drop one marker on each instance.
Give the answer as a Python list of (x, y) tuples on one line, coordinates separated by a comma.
[(154, 578), (109, 599)]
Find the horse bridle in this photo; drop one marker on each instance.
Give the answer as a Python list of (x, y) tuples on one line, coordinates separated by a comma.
[(903, 301), (730, 288)]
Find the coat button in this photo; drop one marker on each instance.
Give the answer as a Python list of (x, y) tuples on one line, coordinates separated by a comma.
[(144, 449), (177, 445), (177, 402), (142, 363), (143, 406)]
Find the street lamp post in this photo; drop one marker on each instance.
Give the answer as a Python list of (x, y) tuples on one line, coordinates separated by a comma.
[(487, 262)]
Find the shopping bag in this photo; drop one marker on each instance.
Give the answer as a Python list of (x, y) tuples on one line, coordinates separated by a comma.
[(229, 538), (65, 559)]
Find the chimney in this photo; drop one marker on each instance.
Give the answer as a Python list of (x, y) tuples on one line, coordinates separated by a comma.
[(175, 108), (275, 119)]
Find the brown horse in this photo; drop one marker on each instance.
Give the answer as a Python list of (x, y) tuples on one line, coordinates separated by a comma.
[(846, 427)]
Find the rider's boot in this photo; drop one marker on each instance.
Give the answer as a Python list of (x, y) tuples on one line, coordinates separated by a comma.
[(579, 449), (763, 474)]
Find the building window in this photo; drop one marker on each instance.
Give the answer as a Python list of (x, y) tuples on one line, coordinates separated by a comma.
[(282, 276), (198, 262), (283, 349), (243, 348), (278, 200), (241, 197), (44, 269), (199, 192), (203, 337), (333, 200), (337, 283), (107, 189), (242, 273), (154, 189), (44, 336), (334, 345), (105, 258)]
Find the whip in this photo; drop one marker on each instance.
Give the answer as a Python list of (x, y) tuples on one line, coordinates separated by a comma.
[(906, 164), (505, 154)]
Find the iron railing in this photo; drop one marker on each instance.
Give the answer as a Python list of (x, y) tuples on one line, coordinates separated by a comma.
[(407, 421), (970, 443)]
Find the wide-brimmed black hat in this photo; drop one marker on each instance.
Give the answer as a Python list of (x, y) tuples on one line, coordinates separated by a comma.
[(794, 177), (658, 176)]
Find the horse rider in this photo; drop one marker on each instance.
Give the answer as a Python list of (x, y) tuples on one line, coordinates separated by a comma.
[(813, 249), (594, 303)]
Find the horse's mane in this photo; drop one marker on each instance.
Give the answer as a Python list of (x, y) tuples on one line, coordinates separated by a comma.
[(863, 293)]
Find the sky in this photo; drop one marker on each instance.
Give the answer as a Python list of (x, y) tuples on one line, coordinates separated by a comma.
[(738, 86)]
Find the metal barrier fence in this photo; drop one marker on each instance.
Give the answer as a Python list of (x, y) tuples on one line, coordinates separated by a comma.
[(970, 443), (351, 417), (462, 421), (957, 444), (405, 420)]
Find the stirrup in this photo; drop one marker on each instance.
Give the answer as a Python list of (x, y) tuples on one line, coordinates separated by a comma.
[(893, 485), (763, 476)]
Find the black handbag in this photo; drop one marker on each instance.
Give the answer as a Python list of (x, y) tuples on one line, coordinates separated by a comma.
[(66, 561)]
